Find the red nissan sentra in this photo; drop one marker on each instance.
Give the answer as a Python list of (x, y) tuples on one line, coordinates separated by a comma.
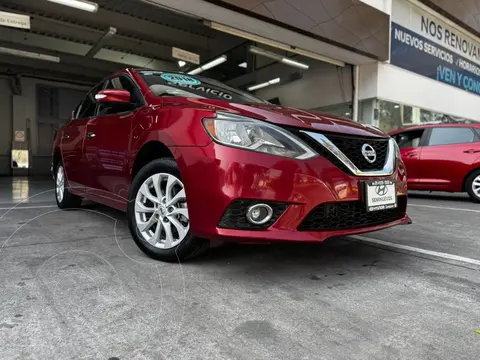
[(189, 158)]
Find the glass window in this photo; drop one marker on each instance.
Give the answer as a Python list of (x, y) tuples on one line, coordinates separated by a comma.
[(390, 116), (121, 82), (88, 107), (89, 104), (76, 111), (182, 85), (451, 135), (409, 139)]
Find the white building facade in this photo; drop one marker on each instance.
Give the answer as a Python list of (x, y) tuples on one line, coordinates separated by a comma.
[(433, 74)]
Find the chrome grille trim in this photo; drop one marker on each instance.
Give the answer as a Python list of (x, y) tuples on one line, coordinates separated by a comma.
[(388, 168)]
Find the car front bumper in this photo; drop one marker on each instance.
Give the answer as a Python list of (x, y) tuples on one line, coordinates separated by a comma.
[(215, 176)]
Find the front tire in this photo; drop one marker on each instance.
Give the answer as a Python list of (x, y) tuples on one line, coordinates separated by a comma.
[(473, 185), (158, 216), (65, 199)]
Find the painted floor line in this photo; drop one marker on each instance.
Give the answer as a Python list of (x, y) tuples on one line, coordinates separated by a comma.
[(443, 208), (417, 250), (27, 207)]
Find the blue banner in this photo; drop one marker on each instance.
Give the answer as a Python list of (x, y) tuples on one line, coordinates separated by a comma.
[(422, 56)]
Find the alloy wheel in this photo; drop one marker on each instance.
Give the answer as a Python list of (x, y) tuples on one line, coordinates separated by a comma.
[(161, 212), (476, 186), (60, 183)]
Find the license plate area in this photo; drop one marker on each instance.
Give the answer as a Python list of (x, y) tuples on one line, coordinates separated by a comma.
[(380, 195)]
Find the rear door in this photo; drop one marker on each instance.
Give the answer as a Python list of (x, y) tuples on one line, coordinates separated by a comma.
[(411, 145), (107, 142), (447, 157), (71, 143)]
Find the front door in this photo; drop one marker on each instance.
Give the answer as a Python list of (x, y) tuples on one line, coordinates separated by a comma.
[(72, 141), (107, 145), (447, 157), (410, 143)]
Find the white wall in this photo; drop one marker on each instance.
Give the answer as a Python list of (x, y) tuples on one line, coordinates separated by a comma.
[(368, 81), (25, 106), (393, 84), (320, 86), (6, 132), (19, 112)]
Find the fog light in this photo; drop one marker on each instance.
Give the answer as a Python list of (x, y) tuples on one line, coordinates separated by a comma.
[(259, 214)]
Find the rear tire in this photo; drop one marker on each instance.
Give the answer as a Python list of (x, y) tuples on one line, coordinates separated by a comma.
[(473, 185), (158, 215), (65, 199)]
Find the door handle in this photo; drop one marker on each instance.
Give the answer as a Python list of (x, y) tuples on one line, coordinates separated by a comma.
[(65, 137), (410, 155), (90, 135), (471, 151)]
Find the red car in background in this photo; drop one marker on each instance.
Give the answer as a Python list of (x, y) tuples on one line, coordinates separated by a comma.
[(189, 158), (442, 157)]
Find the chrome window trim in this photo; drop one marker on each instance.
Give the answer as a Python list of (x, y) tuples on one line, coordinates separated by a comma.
[(389, 166)]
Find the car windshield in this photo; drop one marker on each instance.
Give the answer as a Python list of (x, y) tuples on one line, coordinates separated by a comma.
[(183, 85)]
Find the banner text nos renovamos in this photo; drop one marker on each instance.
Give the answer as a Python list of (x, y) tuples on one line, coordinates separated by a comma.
[(449, 37), (428, 46)]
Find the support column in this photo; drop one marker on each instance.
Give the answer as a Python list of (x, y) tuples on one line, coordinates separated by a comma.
[(355, 85)]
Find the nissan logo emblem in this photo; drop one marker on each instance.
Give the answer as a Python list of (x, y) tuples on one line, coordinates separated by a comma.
[(381, 190), (369, 153)]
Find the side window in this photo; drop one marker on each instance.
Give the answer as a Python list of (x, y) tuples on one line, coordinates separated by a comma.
[(76, 111), (451, 135), (127, 84), (409, 139), (477, 130), (120, 82), (88, 106)]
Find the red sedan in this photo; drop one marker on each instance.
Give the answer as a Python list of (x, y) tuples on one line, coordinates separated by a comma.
[(442, 157), (189, 158)]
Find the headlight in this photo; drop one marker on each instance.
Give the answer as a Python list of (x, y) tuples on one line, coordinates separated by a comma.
[(245, 133)]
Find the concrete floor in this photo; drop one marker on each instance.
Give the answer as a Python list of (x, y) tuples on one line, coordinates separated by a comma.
[(75, 286)]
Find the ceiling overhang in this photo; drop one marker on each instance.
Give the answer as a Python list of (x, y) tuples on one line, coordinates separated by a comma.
[(352, 24), (346, 30)]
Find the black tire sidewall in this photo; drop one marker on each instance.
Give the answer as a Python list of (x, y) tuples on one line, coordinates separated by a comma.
[(189, 246), (469, 184)]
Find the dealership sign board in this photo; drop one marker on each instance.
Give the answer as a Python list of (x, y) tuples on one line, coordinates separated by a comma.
[(14, 20), (427, 45)]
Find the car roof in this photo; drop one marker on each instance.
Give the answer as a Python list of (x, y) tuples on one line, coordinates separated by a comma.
[(427, 126)]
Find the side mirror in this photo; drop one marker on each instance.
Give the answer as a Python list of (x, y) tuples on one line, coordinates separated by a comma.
[(113, 96)]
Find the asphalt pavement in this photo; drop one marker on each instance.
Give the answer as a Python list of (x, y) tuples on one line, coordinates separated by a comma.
[(75, 286)]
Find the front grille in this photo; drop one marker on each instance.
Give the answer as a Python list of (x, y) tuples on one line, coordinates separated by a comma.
[(350, 215), (351, 146), (235, 215)]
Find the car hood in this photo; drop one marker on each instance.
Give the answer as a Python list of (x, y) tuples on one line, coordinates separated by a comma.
[(282, 115)]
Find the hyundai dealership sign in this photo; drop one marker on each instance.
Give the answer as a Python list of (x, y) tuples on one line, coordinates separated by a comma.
[(429, 46)]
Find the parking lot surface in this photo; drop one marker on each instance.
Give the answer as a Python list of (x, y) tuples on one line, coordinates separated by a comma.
[(75, 286)]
